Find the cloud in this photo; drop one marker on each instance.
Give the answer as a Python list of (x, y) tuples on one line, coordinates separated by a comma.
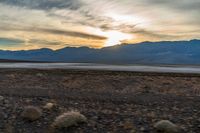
[(185, 5), (105, 4), (156, 34), (10, 41), (72, 33), (70, 19), (158, 13), (44, 4), (53, 31), (44, 42)]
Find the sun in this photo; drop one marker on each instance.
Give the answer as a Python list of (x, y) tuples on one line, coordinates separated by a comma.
[(116, 37)]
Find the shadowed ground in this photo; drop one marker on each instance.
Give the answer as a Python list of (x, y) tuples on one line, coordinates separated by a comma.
[(112, 101)]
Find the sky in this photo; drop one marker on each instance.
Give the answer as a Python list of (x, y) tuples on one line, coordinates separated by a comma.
[(33, 24)]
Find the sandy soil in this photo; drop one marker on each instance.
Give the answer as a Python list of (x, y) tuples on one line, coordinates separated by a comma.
[(116, 102)]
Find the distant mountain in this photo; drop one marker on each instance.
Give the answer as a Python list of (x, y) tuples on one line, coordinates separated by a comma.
[(166, 52)]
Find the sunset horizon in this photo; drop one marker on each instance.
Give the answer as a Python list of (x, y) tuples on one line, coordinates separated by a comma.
[(98, 48), (99, 66), (52, 24)]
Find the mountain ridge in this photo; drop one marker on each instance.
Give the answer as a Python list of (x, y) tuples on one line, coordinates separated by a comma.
[(164, 52)]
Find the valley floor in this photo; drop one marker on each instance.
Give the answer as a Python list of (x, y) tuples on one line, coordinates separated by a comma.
[(116, 102)]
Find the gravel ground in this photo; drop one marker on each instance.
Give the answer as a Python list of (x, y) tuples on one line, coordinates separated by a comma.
[(114, 102)]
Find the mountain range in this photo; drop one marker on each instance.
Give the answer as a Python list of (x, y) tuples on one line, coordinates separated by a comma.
[(165, 52)]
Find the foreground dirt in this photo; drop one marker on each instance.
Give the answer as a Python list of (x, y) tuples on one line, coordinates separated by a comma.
[(115, 102)]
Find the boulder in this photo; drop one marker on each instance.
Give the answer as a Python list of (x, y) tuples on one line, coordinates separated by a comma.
[(31, 113)]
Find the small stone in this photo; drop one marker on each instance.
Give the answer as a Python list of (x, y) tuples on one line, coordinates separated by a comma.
[(6, 102), (8, 128), (2, 116), (106, 111), (7, 105), (133, 131), (128, 125), (69, 119), (142, 129), (28, 101), (39, 74), (49, 106), (12, 76), (165, 126), (1, 98), (31, 113), (195, 110)]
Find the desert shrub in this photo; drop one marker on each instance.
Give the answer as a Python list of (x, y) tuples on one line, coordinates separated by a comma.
[(69, 119)]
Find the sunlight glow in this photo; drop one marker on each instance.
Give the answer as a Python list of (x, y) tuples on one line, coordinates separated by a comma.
[(128, 19), (113, 37), (116, 37)]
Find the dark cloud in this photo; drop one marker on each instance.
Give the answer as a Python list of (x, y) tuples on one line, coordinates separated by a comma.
[(45, 42), (10, 41), (71, 33), (75, 4), (184, 5), (53, 31), (154, 34), (86, 18), (44, 4), (92, 19)]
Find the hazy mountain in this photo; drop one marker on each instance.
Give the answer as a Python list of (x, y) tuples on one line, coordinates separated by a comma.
[(168, 52)]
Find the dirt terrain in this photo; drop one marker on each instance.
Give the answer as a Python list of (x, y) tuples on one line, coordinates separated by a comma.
[(114, 102)]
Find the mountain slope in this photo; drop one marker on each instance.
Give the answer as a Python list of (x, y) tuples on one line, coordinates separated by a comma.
[(168, 52)]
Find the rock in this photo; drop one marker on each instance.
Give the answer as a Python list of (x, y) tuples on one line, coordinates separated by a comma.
[(28, 100), (39, 74), (132, 131), (128, 125), (7, 105), (165, 126), (69, 119), (6, 102), (2, 117), (1, 98), (8, 128), (31, 113), (142, 129), (11, 76), (49, 106)]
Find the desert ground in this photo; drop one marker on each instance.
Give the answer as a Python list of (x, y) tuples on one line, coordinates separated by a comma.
[(112, 102)]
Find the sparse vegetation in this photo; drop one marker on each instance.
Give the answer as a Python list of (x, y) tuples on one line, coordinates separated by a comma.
[(165, 126), (69, 119)]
